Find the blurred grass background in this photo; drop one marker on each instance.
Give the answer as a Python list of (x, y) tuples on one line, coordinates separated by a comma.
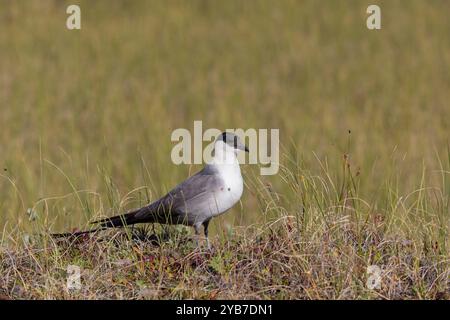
[(93, 110)]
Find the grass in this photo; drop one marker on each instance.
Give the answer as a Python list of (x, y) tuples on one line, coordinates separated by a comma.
[(86, 118)]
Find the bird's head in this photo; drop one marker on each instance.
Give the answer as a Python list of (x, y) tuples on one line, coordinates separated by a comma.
[(230, 142)]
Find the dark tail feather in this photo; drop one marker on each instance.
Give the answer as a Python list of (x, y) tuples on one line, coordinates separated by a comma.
[(118, 221), (113, 222)]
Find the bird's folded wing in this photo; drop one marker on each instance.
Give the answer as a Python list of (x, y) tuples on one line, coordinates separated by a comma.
[(195, 193)]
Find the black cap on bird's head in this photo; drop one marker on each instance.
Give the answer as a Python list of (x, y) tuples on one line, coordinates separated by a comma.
[(232, 140)]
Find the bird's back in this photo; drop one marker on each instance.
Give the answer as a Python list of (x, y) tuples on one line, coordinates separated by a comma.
[(195, 200)]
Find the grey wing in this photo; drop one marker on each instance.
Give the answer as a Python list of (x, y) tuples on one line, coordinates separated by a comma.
[(191, 202)]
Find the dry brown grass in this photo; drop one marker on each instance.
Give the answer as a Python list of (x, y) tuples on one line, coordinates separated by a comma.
[(320, 250), (277, 262), (86, 118)]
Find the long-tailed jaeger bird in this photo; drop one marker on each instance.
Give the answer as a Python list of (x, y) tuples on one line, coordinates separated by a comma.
[(195, 201)]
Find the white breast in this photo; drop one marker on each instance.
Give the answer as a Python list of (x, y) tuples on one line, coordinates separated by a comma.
[(229, 193), (233, 185)]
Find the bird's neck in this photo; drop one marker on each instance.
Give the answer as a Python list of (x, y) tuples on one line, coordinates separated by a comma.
[(230, 173), (224, 155), (225, 161)]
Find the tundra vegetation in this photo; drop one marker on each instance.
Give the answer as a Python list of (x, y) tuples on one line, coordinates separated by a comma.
[(87, 115)]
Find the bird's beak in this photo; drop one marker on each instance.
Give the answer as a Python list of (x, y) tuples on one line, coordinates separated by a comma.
[(240, 146)]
